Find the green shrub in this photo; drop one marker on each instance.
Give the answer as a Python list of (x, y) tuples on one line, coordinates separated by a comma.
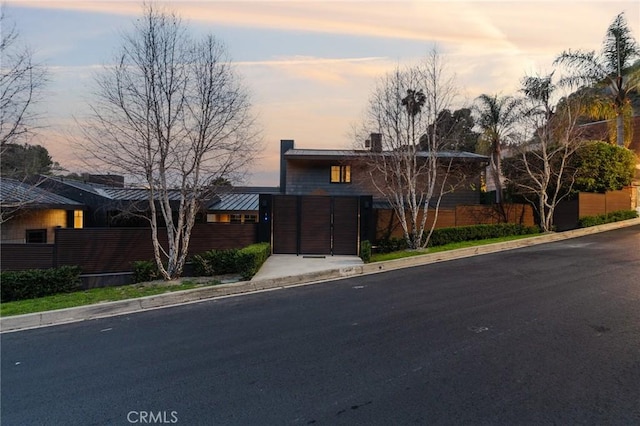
[(616, 216), (390, 245), (145, 270), (30, 284), (603, 167), (457, 234), (365, 251), (245, 261), (215, 262), (249, 259)]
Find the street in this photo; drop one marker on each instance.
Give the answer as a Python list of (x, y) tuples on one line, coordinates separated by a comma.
[(544, 335)]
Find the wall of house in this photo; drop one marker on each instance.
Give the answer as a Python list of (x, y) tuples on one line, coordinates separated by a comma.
[(14, 230), (314, 178)]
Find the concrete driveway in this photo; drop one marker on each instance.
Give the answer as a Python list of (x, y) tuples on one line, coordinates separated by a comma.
[(285, 265)]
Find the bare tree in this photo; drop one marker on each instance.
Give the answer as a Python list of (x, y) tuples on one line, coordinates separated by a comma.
[(542, 171), (21, 82), (172, 113), (407, 168)]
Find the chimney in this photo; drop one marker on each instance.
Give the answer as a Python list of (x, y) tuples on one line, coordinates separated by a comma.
[(376, 142), (285, 145)]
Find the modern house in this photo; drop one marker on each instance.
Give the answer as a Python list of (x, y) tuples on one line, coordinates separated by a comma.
[(328, 203)]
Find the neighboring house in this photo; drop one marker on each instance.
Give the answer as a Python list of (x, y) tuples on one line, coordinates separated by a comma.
[(31, 214)]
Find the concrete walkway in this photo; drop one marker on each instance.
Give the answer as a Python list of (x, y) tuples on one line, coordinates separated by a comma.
[(282, 271)]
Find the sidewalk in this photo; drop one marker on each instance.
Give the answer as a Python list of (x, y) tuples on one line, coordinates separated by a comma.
[(282, 271)]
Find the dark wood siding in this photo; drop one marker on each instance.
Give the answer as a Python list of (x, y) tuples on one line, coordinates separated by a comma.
[(345, 225), (104, 250), (285, 224), (16, 257), (315, 229)]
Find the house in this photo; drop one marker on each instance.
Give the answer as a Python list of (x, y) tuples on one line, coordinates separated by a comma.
[(328, 204), (31, 214)]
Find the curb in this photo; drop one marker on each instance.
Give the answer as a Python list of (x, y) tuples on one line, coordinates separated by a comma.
[(122, 307)]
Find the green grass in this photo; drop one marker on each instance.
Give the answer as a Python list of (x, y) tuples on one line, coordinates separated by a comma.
[(452, 246), (92, 296)]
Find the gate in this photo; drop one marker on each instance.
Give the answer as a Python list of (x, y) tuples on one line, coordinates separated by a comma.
[(315, 225)]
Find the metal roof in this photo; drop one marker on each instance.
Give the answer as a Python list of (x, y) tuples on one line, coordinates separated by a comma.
[(236, 202), (329, 154), (13, 192)]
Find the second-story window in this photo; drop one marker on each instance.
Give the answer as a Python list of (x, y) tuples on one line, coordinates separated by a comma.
[(340, 174)]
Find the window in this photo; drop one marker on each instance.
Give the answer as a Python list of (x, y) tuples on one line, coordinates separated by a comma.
[(231, 218), (77, 219), (340, 174), (218, 218), (250, 218), (36, 236)]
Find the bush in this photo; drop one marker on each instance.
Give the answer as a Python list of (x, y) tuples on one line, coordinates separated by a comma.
[(145, 270), (250, 259), (365, 251), (616, 216), (457, 234), (391, 244), (245, 261), (215, 262), (603, 167), (30, 284)]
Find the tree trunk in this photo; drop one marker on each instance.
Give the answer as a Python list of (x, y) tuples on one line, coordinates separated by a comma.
[(620, 130)]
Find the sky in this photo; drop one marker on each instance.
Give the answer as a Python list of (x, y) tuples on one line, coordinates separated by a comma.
[(310, 66)]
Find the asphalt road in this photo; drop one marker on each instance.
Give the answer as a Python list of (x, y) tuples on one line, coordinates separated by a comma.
[(543, 335)]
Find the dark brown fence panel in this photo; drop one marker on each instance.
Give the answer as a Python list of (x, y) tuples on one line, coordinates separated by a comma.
[(345, 225), (285, 224), (315, 230), (220, 236), (100, 250), (17, 257)]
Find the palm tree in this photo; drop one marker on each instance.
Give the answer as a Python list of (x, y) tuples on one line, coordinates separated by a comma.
[(612, 67), (497, 117), (414, 101)]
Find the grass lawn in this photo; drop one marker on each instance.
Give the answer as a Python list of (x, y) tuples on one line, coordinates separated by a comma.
[(94, 295)]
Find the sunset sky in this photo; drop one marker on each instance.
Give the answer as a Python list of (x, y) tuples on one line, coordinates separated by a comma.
[(310, 66)]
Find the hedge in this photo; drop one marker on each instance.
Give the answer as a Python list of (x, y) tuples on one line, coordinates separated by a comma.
[(34, 283), (616, 216), (442, 236), (245, 261), (251, 258)]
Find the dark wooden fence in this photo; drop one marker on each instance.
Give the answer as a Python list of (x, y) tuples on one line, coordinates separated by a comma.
[(568, 213), (109, 250)]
